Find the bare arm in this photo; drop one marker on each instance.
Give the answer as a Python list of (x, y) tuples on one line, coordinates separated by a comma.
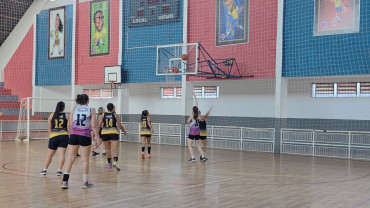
[(100, 122), (190, 118), (93, 123), (120, 125), (196, 101), (70, 121), (150, 124), (49, 122), (202, 118)]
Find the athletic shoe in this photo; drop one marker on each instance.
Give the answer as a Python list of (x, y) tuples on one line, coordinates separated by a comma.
[(87, 185), (95, 154), (65, 184), (203, 159), (109, 165), (142, 155), (115, 165), (104, 153), (59, 173), (192, 160), (78, 155), (149, 156), (43, 172)]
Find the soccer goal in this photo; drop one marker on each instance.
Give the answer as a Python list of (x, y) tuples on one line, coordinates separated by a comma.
[(33, 117)]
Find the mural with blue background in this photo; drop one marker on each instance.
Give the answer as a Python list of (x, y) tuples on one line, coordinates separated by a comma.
[(139, 46), (53, 71), (307, 55)]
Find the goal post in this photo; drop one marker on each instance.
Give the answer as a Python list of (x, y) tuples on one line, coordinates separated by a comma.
[(33, 117)]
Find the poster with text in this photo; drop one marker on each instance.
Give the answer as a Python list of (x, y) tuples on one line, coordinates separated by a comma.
[(99, 27), (232, 22), (336, 16), (57, 33)]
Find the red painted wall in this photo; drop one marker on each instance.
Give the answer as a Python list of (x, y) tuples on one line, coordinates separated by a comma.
[(18, 72), (256, 57), (90, 70)]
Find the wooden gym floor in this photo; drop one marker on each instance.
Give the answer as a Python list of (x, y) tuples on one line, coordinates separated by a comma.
[(227, 179)]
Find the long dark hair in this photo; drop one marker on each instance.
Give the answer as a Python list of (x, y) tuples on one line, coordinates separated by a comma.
[(144, 114), (60, 107), (82, 99), (60, 27), (195, 112)]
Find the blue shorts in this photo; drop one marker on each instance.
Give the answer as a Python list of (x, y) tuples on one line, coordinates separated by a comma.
[(79, 140), (339, 9)]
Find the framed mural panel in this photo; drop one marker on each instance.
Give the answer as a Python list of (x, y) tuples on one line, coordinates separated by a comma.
[(57, 38), (232, 22), (99, 28), (336, 17)]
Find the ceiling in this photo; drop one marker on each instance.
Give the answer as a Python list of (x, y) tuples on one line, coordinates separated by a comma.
[(11, 11)]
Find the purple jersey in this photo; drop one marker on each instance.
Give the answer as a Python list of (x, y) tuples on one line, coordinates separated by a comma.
[(81, 121)]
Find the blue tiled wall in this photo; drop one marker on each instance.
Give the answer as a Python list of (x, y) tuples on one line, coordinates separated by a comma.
[(307, 55), (53, 71)]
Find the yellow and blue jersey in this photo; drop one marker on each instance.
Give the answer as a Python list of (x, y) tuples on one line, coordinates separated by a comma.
[(144, 127), (109, 125), (59, 125), (203, 128)]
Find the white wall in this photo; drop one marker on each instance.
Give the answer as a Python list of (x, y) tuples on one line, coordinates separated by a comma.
[(240, 98), (301, 104)]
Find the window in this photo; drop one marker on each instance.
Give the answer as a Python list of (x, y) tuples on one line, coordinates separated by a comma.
[(98, 93), (171, 92), (342, 89), (206, 92)]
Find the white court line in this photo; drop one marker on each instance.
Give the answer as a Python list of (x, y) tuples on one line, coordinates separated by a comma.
[(161, 192)]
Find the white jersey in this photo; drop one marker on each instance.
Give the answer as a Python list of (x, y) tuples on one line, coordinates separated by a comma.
[(82, 121)]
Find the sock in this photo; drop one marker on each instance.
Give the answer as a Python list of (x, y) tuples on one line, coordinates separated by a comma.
[(65, 176), (115, 159), (202, 156), (58, 169), (109, 160), (192, 157), (143, 149), (149, 148), (45, 169), (85, 177)]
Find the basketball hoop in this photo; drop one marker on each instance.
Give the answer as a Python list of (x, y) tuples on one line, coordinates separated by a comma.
[(174, 70)]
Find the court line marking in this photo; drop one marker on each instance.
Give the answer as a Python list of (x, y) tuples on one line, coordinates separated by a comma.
[(161, 192)]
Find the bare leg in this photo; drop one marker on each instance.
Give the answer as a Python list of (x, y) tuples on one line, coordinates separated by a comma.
[(61, 153), (197, 143), (85, 153), (72, 154), (115, 145), (190, 146), (107, 147), (49, 157), (204, 143)]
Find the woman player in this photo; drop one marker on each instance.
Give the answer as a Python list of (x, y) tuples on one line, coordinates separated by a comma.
[(202, 127), (110, 135), (84, 119), (58, 135), (146, 131), (194, 133)]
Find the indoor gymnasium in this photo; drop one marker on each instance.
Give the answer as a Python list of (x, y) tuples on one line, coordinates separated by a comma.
[(185, 103)]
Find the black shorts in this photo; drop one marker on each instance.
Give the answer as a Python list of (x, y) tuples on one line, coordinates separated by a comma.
[(79, 140), (203, 137), (146, 135), (193, 137), (108, 137), (58, 141)]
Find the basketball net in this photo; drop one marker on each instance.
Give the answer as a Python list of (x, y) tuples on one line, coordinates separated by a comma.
[(171, 72)]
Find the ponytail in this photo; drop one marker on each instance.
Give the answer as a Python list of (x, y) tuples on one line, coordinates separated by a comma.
[(195, 112), (60, 107)]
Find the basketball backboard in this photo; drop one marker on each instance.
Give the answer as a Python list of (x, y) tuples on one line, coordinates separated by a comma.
[(112, 74), (177, 59)]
